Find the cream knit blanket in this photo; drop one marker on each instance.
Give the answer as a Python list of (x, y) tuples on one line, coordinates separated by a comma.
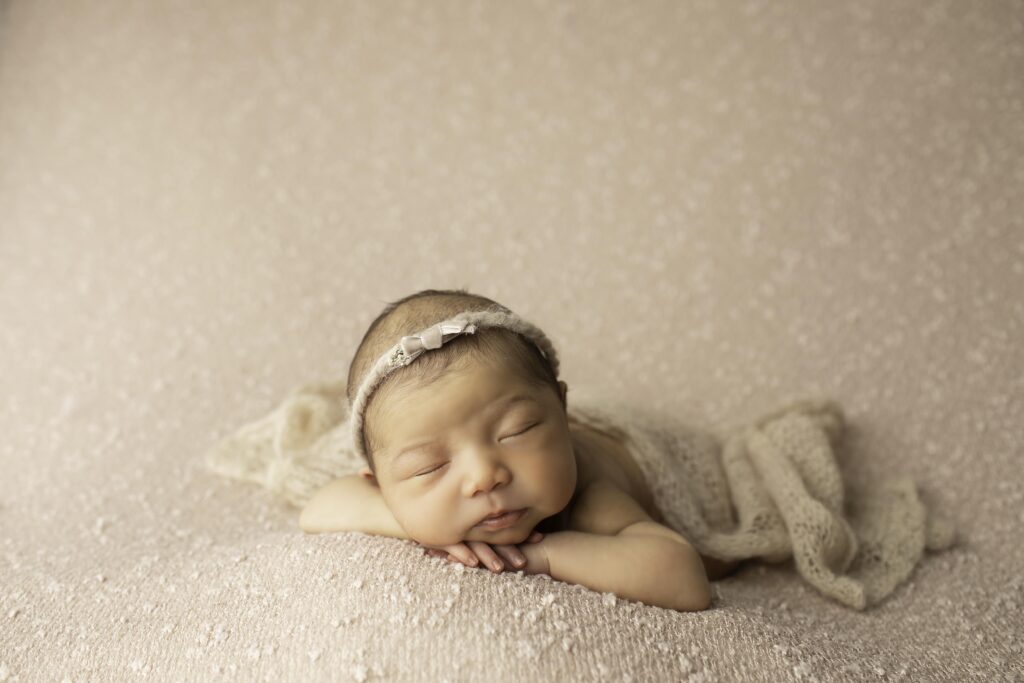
[(772, 490)]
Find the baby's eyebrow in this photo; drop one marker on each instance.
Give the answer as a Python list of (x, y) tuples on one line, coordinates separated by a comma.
[(503, 404)]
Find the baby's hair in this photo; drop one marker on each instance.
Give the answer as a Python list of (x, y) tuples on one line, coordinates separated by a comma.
[(416, 312)]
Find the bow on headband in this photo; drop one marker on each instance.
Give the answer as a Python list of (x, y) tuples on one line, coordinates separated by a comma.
[(431, 338)]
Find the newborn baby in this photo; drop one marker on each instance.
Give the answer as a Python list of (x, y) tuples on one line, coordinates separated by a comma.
[(471, 452)]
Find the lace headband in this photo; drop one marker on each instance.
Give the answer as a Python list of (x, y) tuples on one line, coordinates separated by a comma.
[(434, 337)]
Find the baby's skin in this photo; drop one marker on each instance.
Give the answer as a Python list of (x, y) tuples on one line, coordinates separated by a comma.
[(529, 560), (474, 442)]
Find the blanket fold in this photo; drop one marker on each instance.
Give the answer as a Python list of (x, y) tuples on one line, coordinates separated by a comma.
[(771, 490)]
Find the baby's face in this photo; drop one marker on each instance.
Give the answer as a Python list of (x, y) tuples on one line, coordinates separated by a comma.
[(458, 450)]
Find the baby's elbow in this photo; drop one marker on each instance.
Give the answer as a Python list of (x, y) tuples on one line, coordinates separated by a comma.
[(311, 519), (306, 520), (693, 597), (693, 593), (699, 599)]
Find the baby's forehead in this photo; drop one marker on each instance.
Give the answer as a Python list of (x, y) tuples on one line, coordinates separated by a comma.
[(463, 374), (464, 385), (428, 412)]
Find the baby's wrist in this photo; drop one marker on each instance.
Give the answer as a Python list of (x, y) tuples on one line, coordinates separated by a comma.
[(536, 558)]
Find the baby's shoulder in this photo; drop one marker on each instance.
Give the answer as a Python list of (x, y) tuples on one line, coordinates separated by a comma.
[(609, 487), (604, 507)]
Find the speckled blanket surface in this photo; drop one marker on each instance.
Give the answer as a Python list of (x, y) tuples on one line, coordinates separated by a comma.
[(712, 208)]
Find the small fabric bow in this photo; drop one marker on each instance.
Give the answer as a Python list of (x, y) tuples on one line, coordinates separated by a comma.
[(433, 337)]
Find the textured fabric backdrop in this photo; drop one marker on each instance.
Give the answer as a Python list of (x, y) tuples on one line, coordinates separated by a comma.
[(712, 208)]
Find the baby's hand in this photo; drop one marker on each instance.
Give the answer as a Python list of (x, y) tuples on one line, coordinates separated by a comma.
[(470, 553)]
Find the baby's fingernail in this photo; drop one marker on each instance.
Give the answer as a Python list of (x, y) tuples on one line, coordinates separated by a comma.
[(497, 565), (519, 562)]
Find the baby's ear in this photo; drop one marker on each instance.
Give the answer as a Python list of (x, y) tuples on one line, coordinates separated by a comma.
[(565, 388), (367, 474)]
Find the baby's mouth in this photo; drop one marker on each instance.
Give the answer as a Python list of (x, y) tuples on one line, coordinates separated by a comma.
[(502, 520)]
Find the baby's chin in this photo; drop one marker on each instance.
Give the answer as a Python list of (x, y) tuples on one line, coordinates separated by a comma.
[(510, 536)]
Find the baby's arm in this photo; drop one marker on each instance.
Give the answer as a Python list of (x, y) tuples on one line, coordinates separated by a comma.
[(350, 503), (635, 564), (616, 547)]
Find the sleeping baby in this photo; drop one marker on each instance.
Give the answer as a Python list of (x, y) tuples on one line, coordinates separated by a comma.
[(471, 451)]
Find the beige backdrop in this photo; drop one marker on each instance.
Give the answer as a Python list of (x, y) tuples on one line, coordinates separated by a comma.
[(711, 207)]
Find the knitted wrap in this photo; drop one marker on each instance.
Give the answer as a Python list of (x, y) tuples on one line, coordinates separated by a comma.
[(773, 490)]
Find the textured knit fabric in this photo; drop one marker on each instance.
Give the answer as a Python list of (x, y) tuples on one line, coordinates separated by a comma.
[(772, 490)]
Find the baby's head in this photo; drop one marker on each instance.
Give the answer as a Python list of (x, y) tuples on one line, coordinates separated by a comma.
[(477, 425)]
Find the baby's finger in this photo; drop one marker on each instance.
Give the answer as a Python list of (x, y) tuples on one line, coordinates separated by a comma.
[(513, 556), (459, 552), (487, 555)]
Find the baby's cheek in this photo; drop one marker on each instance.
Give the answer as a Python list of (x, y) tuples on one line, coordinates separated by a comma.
[(426, 530)]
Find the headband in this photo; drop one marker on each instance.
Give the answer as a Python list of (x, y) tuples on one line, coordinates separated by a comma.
[(434, 337)]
